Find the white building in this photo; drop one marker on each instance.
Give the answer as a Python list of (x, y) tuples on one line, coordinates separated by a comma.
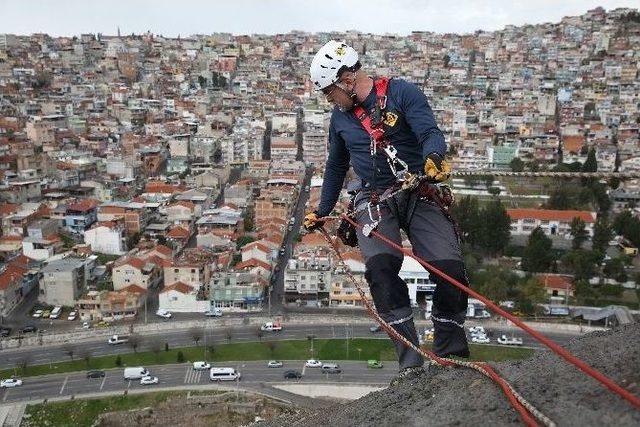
[(107, 239), (552, 222), (181, 298)]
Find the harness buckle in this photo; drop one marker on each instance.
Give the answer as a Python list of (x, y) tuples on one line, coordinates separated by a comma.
[(369, 227)]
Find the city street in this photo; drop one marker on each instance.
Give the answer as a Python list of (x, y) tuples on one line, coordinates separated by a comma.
[(253, 373), (181, 338)]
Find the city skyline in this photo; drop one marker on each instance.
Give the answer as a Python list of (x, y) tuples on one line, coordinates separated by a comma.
[(72, 17)]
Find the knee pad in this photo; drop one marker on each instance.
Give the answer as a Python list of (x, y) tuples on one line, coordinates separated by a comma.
[(388, 290), (447, 298)]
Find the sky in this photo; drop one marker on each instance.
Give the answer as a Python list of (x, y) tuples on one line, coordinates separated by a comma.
[(186, 17)]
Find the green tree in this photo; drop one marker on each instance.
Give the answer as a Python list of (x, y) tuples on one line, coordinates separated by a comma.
[(614, 269), (118, 361), (602, 234), (590, 165), (494, 191), (579, 232), (517, 165), (531, 292), (581, 263), (496, 289), (180, 357), (244, 240), (467, 215), (628, 226), (488, 181), (495, 230), (537, 256)]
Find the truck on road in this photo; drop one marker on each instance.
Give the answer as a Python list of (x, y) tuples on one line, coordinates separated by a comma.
[(118, 339)]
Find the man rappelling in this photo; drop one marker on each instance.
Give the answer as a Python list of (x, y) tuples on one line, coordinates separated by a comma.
[(385, 129)]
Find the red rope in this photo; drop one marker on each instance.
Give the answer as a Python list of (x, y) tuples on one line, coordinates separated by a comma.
[(584, 367), (483, 368)]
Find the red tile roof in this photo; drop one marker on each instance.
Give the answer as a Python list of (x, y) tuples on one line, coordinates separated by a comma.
[(551, 215), (134, 289), (251, 263), (178, 286), (185, 203), (261, 246), (179, 233), (8, 208), (83, 205), (11, 274), (556, 281), (164, 250)]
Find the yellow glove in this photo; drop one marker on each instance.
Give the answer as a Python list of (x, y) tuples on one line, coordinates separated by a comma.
[(437, 168), (312, 221)]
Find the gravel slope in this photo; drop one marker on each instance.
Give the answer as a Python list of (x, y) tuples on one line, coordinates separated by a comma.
[(457, 396)]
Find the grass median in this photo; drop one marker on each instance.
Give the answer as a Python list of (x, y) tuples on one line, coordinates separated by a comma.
[(323, 349)]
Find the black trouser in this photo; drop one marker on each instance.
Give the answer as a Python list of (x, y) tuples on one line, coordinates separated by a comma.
[(433, 239)]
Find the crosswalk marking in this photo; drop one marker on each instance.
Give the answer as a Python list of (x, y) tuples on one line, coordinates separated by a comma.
[(192, 376)]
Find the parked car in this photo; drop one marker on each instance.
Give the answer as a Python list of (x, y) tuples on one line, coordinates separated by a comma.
[(375, 328), (480, 339), (56, 312), (292, 375), (509, 341), (166, 314), (271, 327), (274, 364), (374, 364), (477, 330), (313, 363), (201, 366), (10, 382), (148, 380), (331, 368), (5, 331), (73, 315), (95, 374), (214, 312), (37, 314), (28, 329), (86, 325)]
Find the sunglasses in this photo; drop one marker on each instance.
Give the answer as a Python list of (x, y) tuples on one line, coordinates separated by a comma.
[(329, 90)]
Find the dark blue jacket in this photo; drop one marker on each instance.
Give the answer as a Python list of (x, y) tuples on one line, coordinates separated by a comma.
[(409, 126)]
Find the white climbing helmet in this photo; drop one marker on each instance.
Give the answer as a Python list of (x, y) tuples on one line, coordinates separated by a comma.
[(332, 58)]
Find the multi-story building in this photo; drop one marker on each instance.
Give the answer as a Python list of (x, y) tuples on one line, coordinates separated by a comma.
[(111, 305), (80, 216), (308, 277), (552, 222), (63, 281), (237, 291), (107, 238)]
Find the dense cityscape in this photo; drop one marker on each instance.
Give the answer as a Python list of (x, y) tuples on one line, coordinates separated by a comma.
[(151, 180)]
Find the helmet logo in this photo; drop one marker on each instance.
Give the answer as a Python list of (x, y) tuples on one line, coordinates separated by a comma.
[(340, 51)]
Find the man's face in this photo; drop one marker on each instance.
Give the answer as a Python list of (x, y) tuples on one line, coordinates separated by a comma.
[(339, 93)]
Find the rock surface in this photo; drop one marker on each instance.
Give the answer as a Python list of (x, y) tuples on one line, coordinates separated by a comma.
[(458, 396)]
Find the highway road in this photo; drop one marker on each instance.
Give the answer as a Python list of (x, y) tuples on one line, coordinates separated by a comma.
[(11, 358), (182, 375)]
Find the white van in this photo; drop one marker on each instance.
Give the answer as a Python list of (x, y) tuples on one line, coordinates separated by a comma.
[(55, 313), (271, 327), (224, 374), (135, 373)]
